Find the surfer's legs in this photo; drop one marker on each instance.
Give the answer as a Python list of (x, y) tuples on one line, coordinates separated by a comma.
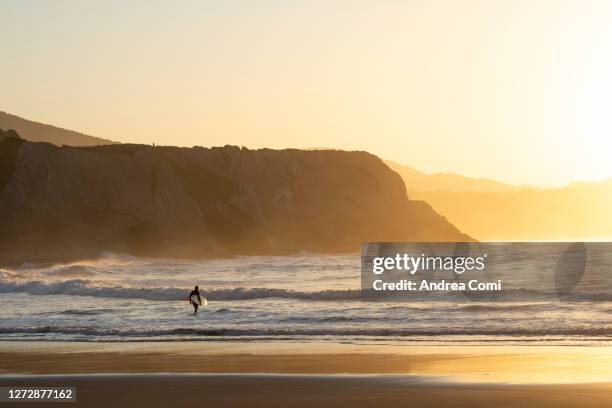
[(195, 308)]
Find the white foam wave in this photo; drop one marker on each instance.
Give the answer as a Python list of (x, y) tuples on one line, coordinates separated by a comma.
[(80, 287)]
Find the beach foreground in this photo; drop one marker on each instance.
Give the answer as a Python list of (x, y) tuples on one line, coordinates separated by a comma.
[(182, 390), (324, 374)]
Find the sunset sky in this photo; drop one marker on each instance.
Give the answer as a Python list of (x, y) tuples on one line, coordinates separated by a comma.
[(519, 91)]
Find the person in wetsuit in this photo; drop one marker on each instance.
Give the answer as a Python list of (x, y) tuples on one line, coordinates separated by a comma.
[(195, 305)]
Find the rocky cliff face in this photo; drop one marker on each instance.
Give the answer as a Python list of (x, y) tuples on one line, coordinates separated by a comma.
[(75, 202)]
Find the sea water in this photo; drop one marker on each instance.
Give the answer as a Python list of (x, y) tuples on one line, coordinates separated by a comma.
[(302, 298)]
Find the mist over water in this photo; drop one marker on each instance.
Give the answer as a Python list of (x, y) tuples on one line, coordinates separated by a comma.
[(304, 297)]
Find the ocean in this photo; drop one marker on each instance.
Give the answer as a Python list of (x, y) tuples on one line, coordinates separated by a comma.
[(299, 298)]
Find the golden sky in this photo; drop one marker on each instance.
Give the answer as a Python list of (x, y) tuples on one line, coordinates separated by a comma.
[(519, 91)]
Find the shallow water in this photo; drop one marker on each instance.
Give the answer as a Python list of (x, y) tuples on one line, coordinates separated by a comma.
[(303, 297)]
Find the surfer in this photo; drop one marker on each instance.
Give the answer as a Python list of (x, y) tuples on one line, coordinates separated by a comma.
[(195, 299)]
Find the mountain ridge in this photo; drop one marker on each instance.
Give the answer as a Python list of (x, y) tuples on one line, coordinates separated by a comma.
[(418, 181), (41, 132)]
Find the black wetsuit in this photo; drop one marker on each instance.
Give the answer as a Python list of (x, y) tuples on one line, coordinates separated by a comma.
[(195, 304)]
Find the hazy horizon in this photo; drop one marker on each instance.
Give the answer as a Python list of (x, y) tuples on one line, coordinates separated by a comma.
[(511, 91)]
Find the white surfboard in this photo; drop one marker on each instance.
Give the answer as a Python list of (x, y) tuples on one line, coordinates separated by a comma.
[(194, 299)]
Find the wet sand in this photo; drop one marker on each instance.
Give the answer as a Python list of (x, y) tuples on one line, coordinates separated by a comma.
[(313, 374)]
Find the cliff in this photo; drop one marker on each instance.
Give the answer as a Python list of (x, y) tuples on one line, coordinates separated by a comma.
[(76, 202)]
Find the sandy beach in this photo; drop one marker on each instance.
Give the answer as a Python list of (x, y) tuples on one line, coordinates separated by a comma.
[(314, 390), (231, 374)]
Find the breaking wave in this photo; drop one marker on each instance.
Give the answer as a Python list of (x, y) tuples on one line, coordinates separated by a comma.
[(80, 287), (83, 287)]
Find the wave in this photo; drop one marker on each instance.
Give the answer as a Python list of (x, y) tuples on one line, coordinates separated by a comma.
[(72, 271), (223, 311), (83, 287), (338, 319), (305, 332), (532, 307), (80, 287), (87, 312)]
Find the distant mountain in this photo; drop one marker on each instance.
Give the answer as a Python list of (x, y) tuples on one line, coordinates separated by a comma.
[(40, 132), (579, 211), (77, 202), (492, 211), (576, 212), (418, 181)]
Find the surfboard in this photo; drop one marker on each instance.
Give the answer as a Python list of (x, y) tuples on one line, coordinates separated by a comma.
[(194, 299)]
